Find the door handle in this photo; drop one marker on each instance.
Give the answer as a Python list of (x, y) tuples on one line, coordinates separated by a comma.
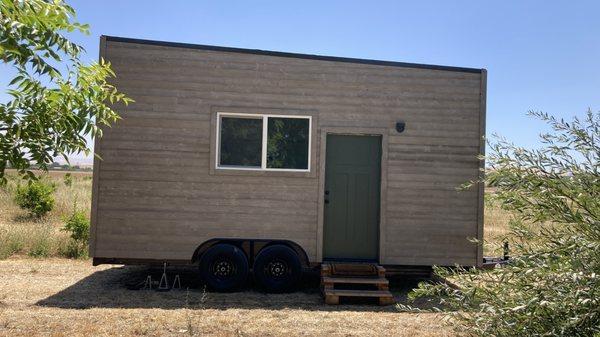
[(326, 197)]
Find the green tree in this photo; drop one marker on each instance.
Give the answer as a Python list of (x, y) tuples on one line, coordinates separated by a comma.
[(55, 99), (552, 285)]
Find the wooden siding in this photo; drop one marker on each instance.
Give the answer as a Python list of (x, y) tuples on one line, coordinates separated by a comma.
[(158, 196)]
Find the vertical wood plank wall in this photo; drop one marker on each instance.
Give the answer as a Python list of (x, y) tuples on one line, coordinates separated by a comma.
[(157, 197)]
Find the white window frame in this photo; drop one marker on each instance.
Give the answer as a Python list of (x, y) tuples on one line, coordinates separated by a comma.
[(265, 120)]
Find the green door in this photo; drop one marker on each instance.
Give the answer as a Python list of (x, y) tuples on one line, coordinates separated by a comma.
[(352, 185)]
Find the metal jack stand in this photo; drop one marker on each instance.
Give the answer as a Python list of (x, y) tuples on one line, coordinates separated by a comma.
[(164, 284), (148, 283), (176, 281)]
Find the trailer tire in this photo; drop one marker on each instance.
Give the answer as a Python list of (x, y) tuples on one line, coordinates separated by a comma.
[(224, 267), (277, 269)]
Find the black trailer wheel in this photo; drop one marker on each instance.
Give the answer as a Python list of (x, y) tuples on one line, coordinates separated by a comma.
[(224, 267), (277, 269)]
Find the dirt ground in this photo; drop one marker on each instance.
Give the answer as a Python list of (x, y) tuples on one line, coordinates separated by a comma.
[(60, 297)]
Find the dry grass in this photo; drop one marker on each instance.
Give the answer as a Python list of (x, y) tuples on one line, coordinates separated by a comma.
[(496, 227), (58, 297), (22, 234)]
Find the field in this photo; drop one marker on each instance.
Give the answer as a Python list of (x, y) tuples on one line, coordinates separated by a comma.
[(42, 293), (24, 235)]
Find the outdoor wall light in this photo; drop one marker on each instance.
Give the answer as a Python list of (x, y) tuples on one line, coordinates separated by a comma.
[(400, 125)]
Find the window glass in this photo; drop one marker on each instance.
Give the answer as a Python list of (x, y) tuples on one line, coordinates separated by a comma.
[(287, 143), (241, 141)]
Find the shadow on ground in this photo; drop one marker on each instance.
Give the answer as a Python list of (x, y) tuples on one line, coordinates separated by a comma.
[(119, 287)]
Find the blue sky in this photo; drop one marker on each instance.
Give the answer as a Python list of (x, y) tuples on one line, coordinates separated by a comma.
[(540, 55)]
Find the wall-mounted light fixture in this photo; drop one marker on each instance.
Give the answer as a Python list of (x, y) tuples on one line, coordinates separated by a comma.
[(400, 125)]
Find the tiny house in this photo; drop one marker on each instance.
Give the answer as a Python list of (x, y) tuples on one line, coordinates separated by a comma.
[(239, 160)]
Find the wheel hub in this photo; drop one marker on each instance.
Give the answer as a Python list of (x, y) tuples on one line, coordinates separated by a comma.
[(277, 268), (223, 268)]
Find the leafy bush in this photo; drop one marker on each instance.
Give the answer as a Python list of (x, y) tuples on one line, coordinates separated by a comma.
[(68, 179), (552, 285), (36, 197), (78, 226)]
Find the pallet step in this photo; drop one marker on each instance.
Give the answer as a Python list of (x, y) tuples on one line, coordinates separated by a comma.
[(360, 276), (358, 293), (332, 296), (355, 280), (352, 269)]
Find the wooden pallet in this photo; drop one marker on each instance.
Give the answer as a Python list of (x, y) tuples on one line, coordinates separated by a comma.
[(334, 276), (352, 269)]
